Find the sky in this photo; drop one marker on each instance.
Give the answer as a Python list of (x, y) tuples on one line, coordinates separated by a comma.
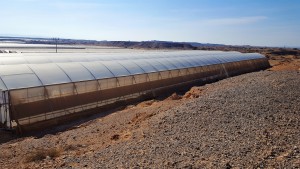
[(232, 22)]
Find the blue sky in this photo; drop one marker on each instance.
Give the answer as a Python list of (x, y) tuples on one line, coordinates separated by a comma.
[(237, 22)]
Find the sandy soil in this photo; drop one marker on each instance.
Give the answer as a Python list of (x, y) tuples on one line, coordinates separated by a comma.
[(288, 62), (248, 121)]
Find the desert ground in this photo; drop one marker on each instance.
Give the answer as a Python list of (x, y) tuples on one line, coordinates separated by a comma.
[(246, 121)]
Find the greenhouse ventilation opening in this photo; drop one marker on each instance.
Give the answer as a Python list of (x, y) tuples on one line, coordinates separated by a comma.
[(38, 88)]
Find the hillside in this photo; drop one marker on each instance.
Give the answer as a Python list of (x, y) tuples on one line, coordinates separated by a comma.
[(147, 44), (123, 44)]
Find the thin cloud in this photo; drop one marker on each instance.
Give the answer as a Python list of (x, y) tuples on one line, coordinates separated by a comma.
[(236, 21)]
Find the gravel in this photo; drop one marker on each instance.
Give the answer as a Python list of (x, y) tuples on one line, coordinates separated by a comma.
[(247, 121)]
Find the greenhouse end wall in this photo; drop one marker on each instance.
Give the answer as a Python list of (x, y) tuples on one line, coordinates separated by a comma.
[(37, 104)]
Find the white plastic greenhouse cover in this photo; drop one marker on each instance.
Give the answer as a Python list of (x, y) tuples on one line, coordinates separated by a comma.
[(39, 69)]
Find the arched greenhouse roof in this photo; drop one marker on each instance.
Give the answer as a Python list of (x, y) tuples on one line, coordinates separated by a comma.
[(39, 69)]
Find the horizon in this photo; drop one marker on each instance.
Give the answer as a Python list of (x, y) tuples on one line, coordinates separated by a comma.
[(255, 23), (21, 36)]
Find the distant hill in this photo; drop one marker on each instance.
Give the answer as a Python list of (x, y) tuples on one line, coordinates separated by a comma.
[(126, 44), (153, 44), (147, 44), (197, 44)]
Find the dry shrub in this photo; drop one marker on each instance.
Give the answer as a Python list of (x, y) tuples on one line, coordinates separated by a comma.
[(70, 148), (115, 137), (42, 154)]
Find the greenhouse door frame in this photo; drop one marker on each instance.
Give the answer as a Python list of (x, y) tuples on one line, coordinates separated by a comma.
[(5, 119)]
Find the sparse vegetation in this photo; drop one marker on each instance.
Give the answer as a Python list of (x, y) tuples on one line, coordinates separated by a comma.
[(115, 137), (70, 147), (42, 154)]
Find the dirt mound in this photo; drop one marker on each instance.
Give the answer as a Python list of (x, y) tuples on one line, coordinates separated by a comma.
[(146, 103), (246, 125), (195, 92), (174, 96)]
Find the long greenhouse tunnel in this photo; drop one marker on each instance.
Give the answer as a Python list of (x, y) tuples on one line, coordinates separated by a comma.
[(42, 87)]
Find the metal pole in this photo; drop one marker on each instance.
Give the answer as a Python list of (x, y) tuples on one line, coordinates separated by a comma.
[(56, 44)]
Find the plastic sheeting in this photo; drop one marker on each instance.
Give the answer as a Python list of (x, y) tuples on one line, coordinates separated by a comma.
[(33, 70), (37, 58), (50, 74), (76, 71), (98, 70)]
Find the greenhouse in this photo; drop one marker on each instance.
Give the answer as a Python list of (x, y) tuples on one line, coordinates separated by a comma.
[(40, 87)]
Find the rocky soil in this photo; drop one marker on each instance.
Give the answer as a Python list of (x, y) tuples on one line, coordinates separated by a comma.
[(247, 121)]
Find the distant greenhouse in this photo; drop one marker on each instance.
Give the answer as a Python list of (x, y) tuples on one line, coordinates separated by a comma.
[(38, 88)]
